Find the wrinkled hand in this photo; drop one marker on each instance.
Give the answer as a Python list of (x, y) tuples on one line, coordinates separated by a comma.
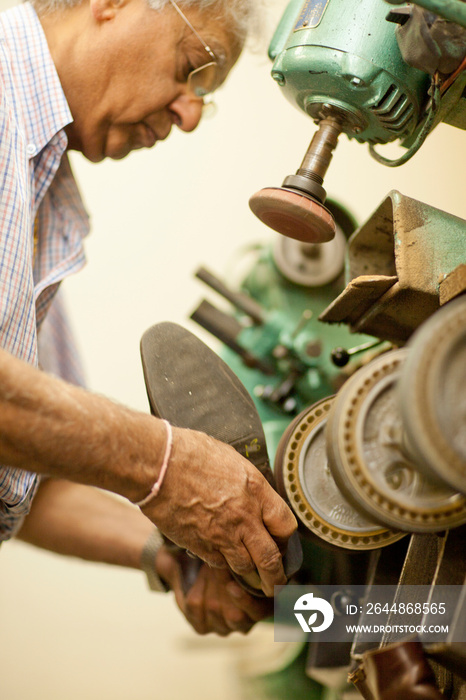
[(216, 504), (215, 602)]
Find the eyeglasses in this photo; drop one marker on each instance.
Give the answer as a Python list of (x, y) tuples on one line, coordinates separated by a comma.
[(205, 79)]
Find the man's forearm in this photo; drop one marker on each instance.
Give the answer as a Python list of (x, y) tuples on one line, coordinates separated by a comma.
[(84, 522), (51, 427)]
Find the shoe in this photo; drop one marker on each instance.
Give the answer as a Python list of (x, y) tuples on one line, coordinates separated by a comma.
[(189, 385)]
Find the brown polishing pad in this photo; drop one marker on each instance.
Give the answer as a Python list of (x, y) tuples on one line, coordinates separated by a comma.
[(293, 214)]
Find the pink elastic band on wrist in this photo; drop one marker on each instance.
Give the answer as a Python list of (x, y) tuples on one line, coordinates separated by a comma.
[(163, 469)]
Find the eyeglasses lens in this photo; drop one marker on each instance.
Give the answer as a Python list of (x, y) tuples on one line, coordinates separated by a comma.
[(204, 80)]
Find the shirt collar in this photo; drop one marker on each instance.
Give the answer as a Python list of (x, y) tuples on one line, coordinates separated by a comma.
[(38, 87)]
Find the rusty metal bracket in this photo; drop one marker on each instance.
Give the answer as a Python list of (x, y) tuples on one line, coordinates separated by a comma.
[(453, 285), (396, 262)]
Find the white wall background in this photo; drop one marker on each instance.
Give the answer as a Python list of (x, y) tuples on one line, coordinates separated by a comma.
[(75, 631)]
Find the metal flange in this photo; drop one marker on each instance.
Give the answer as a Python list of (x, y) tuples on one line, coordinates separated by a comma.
[(369, 458), (304, 479), (433, 397)]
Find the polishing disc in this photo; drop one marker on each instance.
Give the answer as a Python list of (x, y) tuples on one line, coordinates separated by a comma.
[(293, 214)]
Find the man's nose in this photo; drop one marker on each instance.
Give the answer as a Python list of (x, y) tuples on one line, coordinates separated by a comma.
[(186, 111)]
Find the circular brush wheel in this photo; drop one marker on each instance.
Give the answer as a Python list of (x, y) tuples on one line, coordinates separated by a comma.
[(293, 214)]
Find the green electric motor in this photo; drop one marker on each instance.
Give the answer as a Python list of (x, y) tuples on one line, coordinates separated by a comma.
[(342, 57)]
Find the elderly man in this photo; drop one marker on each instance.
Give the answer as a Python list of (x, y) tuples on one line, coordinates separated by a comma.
[(105, 77)]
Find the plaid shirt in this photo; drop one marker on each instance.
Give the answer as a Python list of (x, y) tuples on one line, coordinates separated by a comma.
[(38, 195)]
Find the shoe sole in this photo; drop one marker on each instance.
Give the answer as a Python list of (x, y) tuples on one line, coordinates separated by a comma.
[(189, 385)]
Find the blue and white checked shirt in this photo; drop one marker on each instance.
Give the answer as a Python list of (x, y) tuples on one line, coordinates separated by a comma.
[(37, 193)]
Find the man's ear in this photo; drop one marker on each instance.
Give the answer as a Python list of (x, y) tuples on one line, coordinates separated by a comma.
[(105, 10)]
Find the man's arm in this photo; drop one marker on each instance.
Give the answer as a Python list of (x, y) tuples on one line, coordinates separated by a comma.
[(212, 502), (81, 521)]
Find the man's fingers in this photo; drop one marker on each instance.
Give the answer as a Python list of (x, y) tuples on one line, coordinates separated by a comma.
[(221, 615), (258, 553), (194, 607), (234, 612), (239, 560), (268, 560), (209, 609), (267, 541), (279, 519), (254, 609), (216, 603)]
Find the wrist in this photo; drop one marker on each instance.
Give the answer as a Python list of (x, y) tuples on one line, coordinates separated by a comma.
[(163, 468), (149, 559)]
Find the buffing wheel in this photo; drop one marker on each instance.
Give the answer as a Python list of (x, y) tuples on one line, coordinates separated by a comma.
[(293, 214)]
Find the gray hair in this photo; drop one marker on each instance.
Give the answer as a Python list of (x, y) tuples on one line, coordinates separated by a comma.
[(244, 16)]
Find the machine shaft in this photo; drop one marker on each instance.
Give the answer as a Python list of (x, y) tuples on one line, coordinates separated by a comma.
[(319, 154)]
